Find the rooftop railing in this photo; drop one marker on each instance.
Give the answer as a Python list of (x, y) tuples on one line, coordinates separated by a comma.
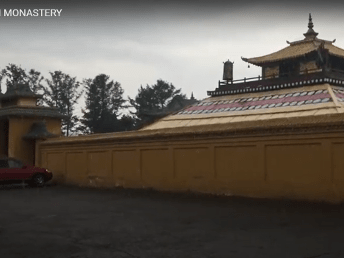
[(259, 83)]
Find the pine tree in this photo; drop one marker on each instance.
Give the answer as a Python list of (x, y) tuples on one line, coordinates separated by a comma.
[(14, 75), (63, 92), (34, 79), (153, 101), (104, 100)]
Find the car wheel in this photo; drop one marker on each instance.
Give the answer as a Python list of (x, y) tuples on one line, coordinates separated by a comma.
[(38, 180)]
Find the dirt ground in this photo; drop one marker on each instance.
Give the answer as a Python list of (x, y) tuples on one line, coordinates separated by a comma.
[(60, 221)]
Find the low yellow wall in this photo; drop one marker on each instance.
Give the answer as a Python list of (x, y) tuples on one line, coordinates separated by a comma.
[(304, 166), (17, 146), (19, 127)]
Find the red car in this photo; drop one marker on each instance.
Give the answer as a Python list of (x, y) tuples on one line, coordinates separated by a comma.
[(13, 170)]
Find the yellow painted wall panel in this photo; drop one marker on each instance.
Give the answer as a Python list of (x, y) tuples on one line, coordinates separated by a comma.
[(300, 170), (99, 168), (99, 163), (337, 150), (238, 163), (193, 167), (156, 167), (55, 162), (280, 166), (76, 167), (43, 160), (126, 168), (295, 163), (338, 163)]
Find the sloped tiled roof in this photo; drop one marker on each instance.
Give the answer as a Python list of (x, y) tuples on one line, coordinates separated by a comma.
[(336, 51), (19, 90), (299, 106), (296, 50), (318, 106)]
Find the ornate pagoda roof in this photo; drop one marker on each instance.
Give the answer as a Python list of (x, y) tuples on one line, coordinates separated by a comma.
[(22, 90), (19, 90), (298, 48)]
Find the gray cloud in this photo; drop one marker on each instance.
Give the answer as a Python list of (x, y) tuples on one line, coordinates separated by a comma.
[(183, 42)]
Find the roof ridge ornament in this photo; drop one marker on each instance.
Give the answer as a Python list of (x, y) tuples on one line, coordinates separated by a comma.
[(310, 34), (310, 23)]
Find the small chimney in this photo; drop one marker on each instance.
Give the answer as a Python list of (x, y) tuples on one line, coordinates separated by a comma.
[(228, 71)]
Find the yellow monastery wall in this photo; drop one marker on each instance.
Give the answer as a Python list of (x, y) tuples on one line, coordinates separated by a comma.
[(17, 146), (53, 125), (24, 149), (26, 102), (308, 167)]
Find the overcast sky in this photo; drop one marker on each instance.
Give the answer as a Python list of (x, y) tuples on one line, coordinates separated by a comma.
[(138, 42)]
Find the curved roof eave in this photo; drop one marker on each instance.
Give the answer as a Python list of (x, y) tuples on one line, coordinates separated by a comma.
[(288, 52), (294, 51)]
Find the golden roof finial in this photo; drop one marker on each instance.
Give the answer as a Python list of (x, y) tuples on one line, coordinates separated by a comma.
[(310, 23), (310, 34)]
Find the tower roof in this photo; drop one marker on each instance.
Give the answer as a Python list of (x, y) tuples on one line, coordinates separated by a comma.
[(19, 90), (298, 48)]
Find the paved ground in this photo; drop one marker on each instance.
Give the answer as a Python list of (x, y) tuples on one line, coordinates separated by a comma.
[(65, 222)]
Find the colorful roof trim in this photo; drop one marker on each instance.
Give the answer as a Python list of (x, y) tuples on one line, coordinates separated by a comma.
[(339, 93), (281, 107), (270, 101)]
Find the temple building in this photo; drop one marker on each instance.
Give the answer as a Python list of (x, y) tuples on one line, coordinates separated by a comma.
[(279, 135), (301, 84), (23, 122)]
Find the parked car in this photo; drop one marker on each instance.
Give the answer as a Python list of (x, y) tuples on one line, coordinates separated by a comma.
[(14, 170)]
